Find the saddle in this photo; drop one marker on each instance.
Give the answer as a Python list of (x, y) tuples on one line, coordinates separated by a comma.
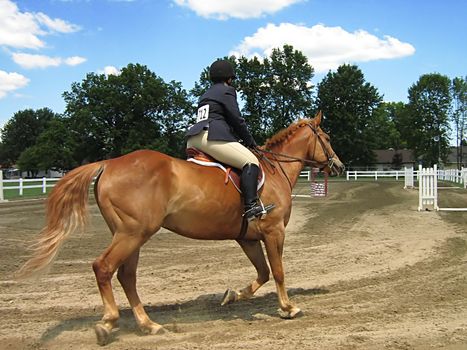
[(231, 174)]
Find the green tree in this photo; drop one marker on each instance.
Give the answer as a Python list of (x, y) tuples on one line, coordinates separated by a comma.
[(429, 104), (459, 114), (115, 114), (386, 126), (22, 131), (348, 103), (56, 147), (288, 79), (29, 161), (251, 74)]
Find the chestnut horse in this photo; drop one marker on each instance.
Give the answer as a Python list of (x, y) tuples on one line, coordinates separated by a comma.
[(143, 191)]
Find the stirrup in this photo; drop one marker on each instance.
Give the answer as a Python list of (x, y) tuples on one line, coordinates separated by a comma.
[(258, 211)]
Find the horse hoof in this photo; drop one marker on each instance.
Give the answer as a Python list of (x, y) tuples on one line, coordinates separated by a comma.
[(294, 313), (154, 329), (102, 334), (230, 296)]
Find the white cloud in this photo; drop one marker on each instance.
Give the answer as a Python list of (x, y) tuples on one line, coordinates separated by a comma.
[(325, 47), (109, 70), (25, 29), (56, 24), (74, 60), (10, 82), (234, 8), (30, 61)]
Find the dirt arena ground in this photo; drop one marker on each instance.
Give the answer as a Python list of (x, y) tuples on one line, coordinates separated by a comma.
[(367, 269)]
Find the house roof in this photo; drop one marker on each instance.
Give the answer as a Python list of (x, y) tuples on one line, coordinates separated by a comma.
[(386, 156)]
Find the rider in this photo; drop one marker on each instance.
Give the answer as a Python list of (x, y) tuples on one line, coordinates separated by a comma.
[(219, 129)]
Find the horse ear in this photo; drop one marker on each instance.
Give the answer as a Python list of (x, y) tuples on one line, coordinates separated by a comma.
[(317, 118)]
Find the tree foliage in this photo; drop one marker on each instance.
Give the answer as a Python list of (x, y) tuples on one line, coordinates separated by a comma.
[(22, 131), (349, 103), (53, 150), (384, 127), (429, 104), (459, 114), (113, 115)]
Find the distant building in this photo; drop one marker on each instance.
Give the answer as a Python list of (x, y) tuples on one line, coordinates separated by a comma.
[(452, 158), (394, 159), (391, 159)]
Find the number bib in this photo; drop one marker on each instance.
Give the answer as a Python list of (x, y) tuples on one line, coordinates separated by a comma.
[(203, 113)]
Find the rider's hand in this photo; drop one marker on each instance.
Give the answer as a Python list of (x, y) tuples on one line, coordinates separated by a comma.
[(253, 144)]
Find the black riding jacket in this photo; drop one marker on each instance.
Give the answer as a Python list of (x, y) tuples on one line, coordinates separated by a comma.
[(224, 121)]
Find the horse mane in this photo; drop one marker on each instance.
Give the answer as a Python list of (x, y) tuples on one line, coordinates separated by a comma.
[(284, 134)]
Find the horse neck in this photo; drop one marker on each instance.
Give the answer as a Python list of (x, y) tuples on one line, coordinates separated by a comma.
[(295, 146)]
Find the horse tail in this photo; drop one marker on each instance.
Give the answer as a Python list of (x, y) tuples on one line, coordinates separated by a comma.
[(66, 211)]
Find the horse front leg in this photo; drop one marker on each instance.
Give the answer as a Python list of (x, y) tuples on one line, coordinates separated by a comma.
[(274, 243), (254, 252)]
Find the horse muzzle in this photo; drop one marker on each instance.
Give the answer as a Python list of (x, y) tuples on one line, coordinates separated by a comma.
[(335, 167)]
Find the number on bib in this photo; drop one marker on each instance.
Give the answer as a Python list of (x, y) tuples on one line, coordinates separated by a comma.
[(203, 113)]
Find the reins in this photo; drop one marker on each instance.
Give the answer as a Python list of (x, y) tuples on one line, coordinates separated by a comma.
[(290, 159)]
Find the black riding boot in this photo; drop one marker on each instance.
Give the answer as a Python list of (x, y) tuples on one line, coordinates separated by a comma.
[(249, 183)]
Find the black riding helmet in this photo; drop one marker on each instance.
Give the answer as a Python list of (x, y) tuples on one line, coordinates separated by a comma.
[(221, 71)]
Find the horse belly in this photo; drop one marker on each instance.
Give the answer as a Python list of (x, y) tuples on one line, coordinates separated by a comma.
[(204, 225)]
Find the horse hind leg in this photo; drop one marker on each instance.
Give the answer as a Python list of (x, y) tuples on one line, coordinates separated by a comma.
[(123, 246), (254, 252), (127, 277)]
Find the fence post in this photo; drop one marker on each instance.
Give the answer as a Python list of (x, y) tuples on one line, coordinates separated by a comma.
[(44, 185), (20, 184), (1, 186)]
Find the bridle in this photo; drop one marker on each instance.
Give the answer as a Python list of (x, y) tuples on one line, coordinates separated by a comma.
[(290, 159)]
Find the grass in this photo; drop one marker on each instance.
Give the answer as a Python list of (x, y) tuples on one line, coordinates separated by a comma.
[(28, 193)]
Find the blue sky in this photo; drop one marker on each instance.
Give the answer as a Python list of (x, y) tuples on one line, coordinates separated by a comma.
[(46, 45)]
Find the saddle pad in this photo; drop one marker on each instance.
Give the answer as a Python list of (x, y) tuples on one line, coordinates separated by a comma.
[(233, 174)]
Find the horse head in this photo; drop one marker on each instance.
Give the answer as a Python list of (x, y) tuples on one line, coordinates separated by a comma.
[(320, 150)]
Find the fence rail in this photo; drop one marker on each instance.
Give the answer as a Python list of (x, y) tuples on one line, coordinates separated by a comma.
[(375, 174), (453, 175), (21, 184)]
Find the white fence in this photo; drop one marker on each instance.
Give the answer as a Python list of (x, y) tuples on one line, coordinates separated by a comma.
[(428, 186), (21, 184), (453, 175), (376, 174)]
